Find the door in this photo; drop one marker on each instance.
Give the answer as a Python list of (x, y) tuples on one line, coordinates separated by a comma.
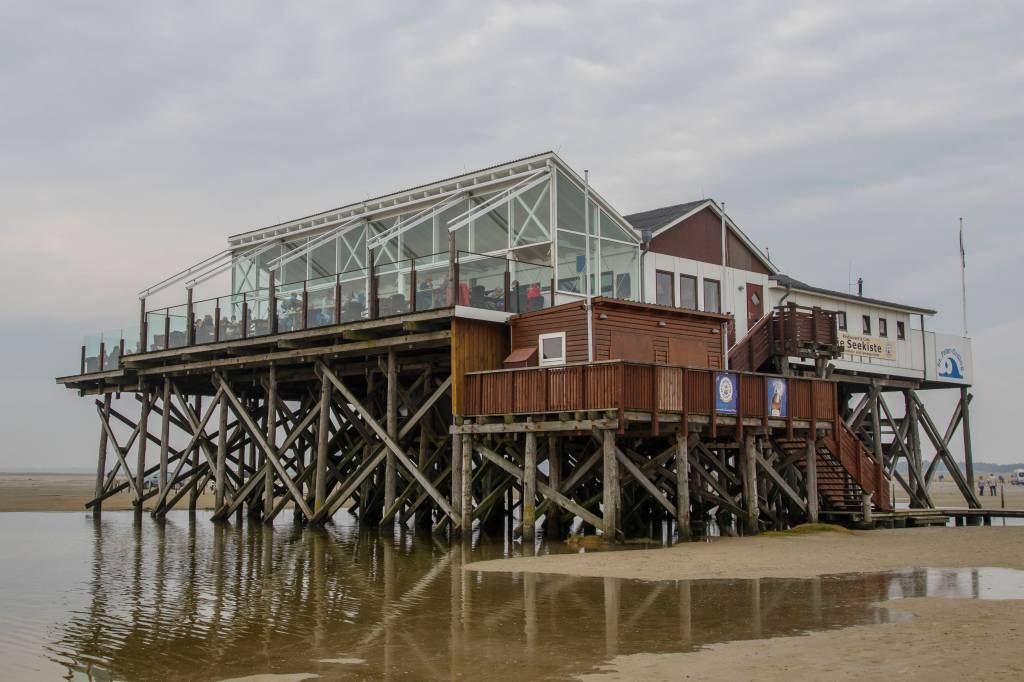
[(755, 304)]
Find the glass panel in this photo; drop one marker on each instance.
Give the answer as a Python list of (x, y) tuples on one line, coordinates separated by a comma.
[(687, 292), (531, 216), (323, 259), (352, 249), (262, 271), (353, 295), (490, 230), (418, 240), (532, 285), (295, 269), (482, 281), (289, 308), (111, 341), (131, 340), (258, 304), (431, 282), (393, 289), (619, 264), (178, 326), (92, 352), (595, 245), (320, 302), (388, 251), (612, 229), (156, 338), (205, 315), (570, 205), (461, 235), (663, 294), (231, 308), (243, 275), (572, 262), (712, 302)]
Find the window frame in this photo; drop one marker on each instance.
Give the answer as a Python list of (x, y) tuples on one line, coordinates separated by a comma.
[(541, 361), (704, 290), (901, 330), (865, 324), (883, 327), (696, 299), (841, 320), (671, 287)]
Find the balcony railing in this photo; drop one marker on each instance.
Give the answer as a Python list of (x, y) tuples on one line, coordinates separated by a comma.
[(382, 290)]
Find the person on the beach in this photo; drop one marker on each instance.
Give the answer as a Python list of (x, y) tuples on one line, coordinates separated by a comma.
[(992, 482), (981, 486)]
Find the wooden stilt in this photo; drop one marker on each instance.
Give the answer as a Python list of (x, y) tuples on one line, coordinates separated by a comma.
[(390, 471), (748, 470), (101, 461), (165, 434), (322, 433), (195, 485), (140, 466), (610, 486), (965, 402), (268, 478), (682, 487), (222, 453), (811, 473), (466, 491), (529, 488)]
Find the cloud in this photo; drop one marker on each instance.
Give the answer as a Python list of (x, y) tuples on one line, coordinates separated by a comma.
[(134, 139)]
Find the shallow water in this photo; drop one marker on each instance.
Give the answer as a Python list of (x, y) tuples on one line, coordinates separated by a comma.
[(188, 599)]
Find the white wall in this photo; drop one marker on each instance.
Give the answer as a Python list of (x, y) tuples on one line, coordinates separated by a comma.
[(734, 299)]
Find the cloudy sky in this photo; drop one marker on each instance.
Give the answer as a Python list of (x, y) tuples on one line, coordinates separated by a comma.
[(134, 137)]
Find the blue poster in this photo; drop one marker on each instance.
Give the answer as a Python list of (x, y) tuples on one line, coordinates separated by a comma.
[(726, 385), (777, 397)]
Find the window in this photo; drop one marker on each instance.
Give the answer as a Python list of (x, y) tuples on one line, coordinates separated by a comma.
[(901, 331), (552, 348), (867, 324), (841, 320), (663, 288), (712, 296), (883, 327), (688, 292)]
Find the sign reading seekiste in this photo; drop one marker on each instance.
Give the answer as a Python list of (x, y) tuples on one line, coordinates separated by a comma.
[(866, 346)]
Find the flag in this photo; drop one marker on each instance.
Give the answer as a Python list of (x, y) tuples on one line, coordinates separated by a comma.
[(963, 254)]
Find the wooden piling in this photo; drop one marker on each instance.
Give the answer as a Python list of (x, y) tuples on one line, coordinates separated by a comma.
[(748, 470), (456, 478), (390, 471), (610, 487), (101, 461), (682, 487), (323, 432), (466, 510), (140, 466), (222, 453), (811, 472), (529, 488), (165, 435)]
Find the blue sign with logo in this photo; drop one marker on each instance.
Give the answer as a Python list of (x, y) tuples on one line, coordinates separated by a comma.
[(951, 364), (726, 392), (777, 396)]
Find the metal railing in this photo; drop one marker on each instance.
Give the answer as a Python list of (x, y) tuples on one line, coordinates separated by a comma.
[(381, 290)]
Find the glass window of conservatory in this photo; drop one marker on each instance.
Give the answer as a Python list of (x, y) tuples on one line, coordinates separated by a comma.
[(295, 269), (461, 235), (388, 251), (611, 229), (619, 266), (418, 240), (352, 249), (531, 216), (490, 230), (570, 205), (572, 266), (323, 259)]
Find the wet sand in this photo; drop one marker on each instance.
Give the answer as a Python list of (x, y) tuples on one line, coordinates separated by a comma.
[(64, 492), (948, 639), (803, 556)]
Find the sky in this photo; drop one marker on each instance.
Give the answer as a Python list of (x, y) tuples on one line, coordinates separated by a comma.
[(844, 137)]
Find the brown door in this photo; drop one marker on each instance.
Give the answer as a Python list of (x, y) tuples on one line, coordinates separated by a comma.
[(755, 304)]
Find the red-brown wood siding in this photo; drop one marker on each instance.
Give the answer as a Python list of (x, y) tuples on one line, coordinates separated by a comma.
[(699, 237), (476, 346), (568, 318), (642, 323)]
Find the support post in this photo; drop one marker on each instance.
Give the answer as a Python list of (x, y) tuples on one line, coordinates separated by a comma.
[(323, 431), (682, 488), (101, 462), (610, 486), (553, 516), (392, 428), (749, 477), (165, 435), (194, 485), (268, 478), (865, 505), (456, 480), (965, 402), (811, 462), (466, 493), (140, 466), (222, 453), (530, 489)]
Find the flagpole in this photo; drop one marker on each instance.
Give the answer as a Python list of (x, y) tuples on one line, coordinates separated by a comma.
[(963, 277)]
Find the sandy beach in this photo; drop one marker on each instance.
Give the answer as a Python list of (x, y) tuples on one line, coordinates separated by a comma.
[(64, 492)]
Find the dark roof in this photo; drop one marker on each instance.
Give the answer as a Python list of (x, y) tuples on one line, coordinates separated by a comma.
[(787, 281), (660, 217)]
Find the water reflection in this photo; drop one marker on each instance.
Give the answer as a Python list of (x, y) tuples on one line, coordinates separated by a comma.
[(194, 600)]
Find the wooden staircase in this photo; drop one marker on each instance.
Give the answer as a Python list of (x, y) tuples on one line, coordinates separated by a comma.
[(788, 330), (845, 471)]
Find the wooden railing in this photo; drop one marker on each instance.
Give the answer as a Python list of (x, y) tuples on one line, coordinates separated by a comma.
[(618, 386), (786, 330), (854, 457)]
